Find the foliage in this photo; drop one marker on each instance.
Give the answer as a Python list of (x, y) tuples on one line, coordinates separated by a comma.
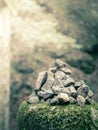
[(79, 19), (45, 117), (86, 65), (86, 15)]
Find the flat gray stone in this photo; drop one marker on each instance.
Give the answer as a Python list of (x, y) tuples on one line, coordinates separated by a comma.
[(90, 93), (50, 80), (60, 64), (42, 77), (48, 85), (66, 77), (57, 88), (69, 90), (58, 82), (83, 91), (59, 75), (63, 98), (54, 101), (78, 84), (50, 75), (66, 70), (88, 100), (45, 95), (68, 82), (81, 101)]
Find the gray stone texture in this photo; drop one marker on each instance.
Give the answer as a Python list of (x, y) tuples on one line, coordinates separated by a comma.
[(63, 97), (60, 64), (55, 86), (66, 70), (41, 80), (68, 82)]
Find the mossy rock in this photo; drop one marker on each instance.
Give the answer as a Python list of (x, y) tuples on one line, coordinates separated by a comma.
[(62, 117)]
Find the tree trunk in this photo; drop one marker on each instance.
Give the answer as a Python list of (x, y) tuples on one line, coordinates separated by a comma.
[(4, 68)]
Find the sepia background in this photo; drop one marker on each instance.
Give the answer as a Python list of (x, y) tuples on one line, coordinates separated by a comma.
[(33, 33)]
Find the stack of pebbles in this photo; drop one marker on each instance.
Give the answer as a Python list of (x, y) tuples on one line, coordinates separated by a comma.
[(55, 86)]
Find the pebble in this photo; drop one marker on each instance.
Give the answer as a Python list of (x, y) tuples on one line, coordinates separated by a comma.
[(83, 91), (60, 64), (78, 84), (66, 70), (69, 90), (90, 93), (68, 82), (45, 94), (63, 98)]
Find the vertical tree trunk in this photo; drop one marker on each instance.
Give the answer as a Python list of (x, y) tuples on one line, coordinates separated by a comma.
[(13, 6), (7, 7), (4, 68)]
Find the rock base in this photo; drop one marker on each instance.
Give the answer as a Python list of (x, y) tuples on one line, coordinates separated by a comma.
[(59, 117)]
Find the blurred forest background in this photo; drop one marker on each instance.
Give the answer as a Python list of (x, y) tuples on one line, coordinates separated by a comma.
[(44, 30)]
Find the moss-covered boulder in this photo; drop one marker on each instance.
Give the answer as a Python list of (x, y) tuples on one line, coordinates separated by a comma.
[(45, 117)]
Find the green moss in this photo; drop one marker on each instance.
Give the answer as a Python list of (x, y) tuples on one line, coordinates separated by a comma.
[(46, 117)]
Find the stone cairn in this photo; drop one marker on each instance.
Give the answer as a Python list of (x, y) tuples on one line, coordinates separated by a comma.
[(55, 86)]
